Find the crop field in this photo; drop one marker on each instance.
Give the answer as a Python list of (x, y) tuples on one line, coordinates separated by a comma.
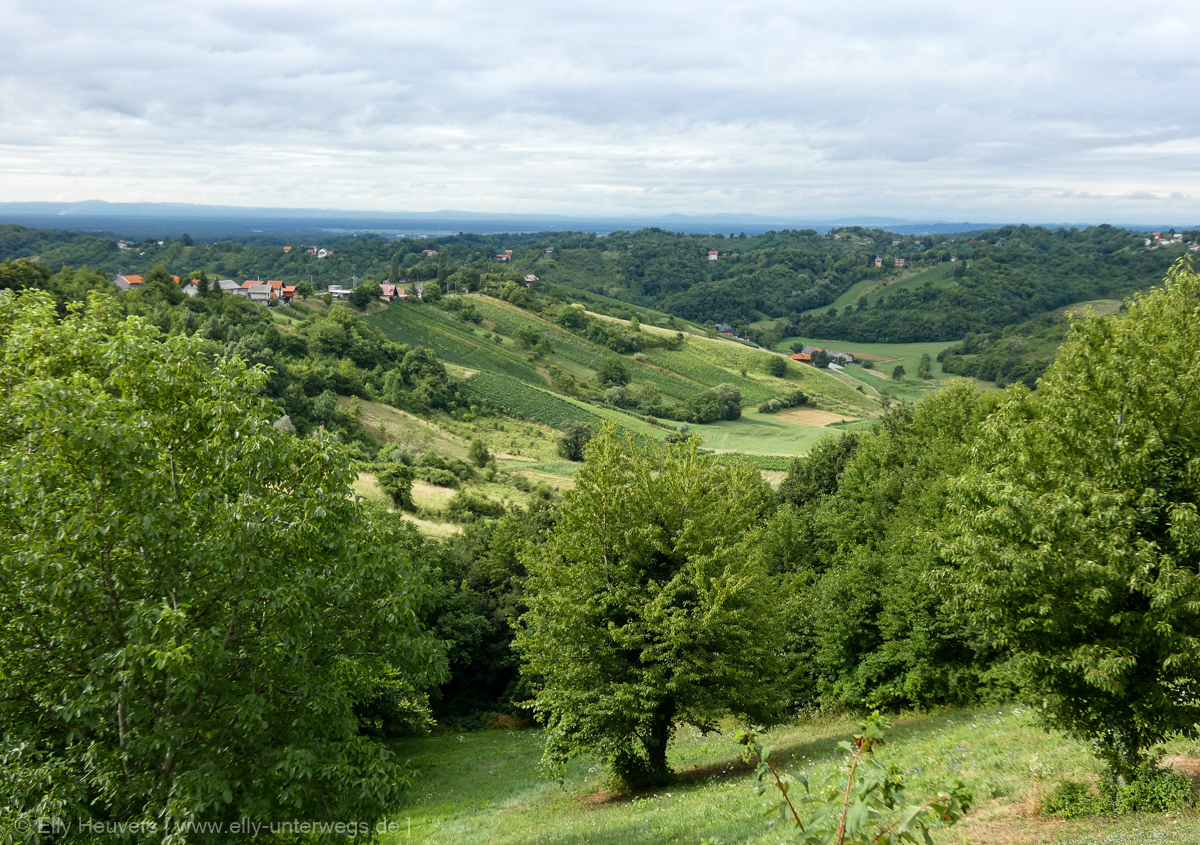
[(693, 366), (508, 319), (451, 340), (516, 397)]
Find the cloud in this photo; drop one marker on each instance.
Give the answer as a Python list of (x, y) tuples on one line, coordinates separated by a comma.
[(776, 107)]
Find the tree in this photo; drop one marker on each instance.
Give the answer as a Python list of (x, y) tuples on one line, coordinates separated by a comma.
[(431, 292), (365, 294), (777, 366), (925, 368), (479, 453), (194, 604), (396, 479), (394, 275), (304, 289), (612, 372), (643, 614), (574, 440), (1077, 539), (898, 372)]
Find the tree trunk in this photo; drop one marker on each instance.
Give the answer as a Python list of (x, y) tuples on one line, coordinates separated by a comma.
[(659, 737)]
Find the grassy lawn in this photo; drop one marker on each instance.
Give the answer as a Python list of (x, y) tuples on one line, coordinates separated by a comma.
[(487, 787), (761, 434)]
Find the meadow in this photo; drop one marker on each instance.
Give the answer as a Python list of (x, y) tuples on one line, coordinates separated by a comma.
[(488, 787)]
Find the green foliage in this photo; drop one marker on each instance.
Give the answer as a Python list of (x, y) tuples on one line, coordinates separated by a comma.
[(396, 479), (855, 550), (925, 368), (1078, 543), (521, 400), (479, 453), (897, 372), (870, 808), (612, 372), (574, 440), (1151, 790), (724, 402), (467, 506), (777, 366), (194, 604), (643, 615)]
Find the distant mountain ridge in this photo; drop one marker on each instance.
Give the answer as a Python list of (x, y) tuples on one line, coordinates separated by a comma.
[(150, 219)]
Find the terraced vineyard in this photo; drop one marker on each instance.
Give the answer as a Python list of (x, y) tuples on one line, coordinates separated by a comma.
[(519, 399), (451, 339)]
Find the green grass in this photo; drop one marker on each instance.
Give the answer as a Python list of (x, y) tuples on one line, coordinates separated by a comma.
[(761, 434), (487, 787), (940, 276), (911, 388)]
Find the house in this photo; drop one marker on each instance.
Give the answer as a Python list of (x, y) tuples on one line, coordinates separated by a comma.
[(190, 288), (287, 249), (878, 262), (530, 278), (713, 255), (809, 350), (339, 292), (288, 293), (387, 292), (899, 262), (801, 356), (549, 250), (230, 286), (128, 282), (837, 357), (257, 291), (501, 258), (429, 253)]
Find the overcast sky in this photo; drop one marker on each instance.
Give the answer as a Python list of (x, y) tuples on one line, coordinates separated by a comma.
[(1040, 111)]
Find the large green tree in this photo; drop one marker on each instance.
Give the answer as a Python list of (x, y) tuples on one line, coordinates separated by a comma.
[(1079, 540), (195, 608), (643, 615)]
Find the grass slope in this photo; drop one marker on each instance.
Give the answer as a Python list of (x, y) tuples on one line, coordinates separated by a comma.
[(487, 787)]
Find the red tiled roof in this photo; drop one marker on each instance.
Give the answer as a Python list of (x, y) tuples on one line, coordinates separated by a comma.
[(800, 356)]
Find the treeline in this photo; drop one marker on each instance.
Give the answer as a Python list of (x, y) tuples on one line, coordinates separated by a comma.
[(312, 360), (1000, 278)]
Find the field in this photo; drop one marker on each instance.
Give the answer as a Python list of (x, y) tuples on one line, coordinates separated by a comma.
[(885, 356), (487, 787), (763, 434), (940, 276)]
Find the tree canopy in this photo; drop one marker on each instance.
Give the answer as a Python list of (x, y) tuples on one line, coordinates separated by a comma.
[(643, 614), (1079, 541), (196, 611)]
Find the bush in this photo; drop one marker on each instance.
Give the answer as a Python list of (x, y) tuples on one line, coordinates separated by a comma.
[(479, 453), (468, 507), (1156, 791)]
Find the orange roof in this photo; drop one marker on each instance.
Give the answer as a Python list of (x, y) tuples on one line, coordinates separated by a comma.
[(287, 249), (800, 356), (289, 289), (133, 280), (275, 284)]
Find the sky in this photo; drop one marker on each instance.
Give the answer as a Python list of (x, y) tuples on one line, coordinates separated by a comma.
[(1000, 112)]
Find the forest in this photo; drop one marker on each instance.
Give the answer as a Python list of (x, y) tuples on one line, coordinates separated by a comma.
[(203, 624)]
